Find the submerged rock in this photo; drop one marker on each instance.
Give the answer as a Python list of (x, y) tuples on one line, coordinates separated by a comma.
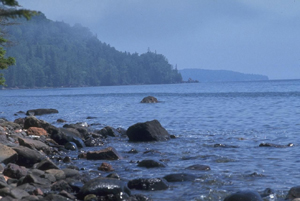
[(275, 145), (180, 177), (198, 167), (147, 131), (150, 164), (244, 196), (151, 184)]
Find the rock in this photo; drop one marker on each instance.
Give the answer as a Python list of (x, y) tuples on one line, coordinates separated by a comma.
[(67, 159), (106, 167), (105, 154), (41, 112), (67, 195), (11, 125), (179, 177), (150, 164), (51, 197), (114, 176), (46, 164), (93, 142), (149, 99), (32, 121), (294, 192), (198, 167), (103, 186), (275, 145), (15, 171), (109, 131), (138, 197), (20, 121), (58, 174), (37, 131), (65, 135), (7, 154), (225, 146), (71, 146), (71, 172), (61, 121), (132, 151), (35, 144), (147, 131), (244, 196), (152, 184), (27, 157), (61, 185)]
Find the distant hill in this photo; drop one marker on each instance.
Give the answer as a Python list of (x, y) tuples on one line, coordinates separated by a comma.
[(203, 75), (55, 54)]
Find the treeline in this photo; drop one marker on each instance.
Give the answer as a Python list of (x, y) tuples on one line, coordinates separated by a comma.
[(55, 54)]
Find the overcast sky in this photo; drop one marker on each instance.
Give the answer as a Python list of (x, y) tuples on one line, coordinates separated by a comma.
[(248, 36)]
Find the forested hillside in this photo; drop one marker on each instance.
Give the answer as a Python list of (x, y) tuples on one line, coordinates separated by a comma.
[(203, 75), (55, 54)]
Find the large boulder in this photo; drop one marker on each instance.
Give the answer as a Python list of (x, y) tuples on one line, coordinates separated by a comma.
[(28, 157), (7, 154), (293, 193), (35, 144), (245, 196), (147, 131), (41, 111), (102, 187), (32, 121), (65, 135), (151, 184), (37, 131), (149, 99), (105, 154)]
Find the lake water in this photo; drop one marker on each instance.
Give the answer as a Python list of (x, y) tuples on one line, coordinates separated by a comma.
[(200, 115)]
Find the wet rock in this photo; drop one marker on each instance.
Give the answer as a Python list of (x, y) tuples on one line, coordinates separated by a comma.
[(61, 121), (67, 195), (245, 196), (149, 99), (35, 144), (71, 146), (55, 197), (37, 131), (275, 145), (294, 192), (150, 164), (65, 135), (139, 197), (15, 171), (106, 167), (108, 131), (41, 112), (132, 151), (93, 142), (267, 192), (67, 159), (147, 131), (122, 131), (198, 167), (80, 127), (113, 176), (180, 177), (152, 184), (32, 121), (7, 154), (103, 186), (105, 154)]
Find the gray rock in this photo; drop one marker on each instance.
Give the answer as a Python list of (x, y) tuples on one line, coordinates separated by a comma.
[(35, 144), (27, 157), (7, 154), (15, 171), (147, 131), (41, 111), (180, 177)]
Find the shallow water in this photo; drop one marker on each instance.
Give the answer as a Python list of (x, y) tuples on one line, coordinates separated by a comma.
[(243, 114)]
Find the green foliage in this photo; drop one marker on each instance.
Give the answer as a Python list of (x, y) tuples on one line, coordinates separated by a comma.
[(7, 13), (54, 54)]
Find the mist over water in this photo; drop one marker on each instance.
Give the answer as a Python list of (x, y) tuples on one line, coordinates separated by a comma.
[(200, 115)]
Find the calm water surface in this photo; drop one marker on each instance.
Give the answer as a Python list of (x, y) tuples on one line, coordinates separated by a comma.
[(243, 114)]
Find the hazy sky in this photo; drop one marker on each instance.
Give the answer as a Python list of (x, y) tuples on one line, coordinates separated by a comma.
[(248, 36)]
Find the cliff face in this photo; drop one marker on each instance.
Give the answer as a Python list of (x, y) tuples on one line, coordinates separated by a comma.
[(203, 75)]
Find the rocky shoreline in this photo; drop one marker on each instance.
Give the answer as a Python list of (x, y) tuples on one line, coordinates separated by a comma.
[(31, 151)]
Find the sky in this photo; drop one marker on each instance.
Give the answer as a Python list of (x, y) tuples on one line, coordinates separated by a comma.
[(247, 36)]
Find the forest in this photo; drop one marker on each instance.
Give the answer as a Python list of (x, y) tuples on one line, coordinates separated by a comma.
[(55, 54)]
